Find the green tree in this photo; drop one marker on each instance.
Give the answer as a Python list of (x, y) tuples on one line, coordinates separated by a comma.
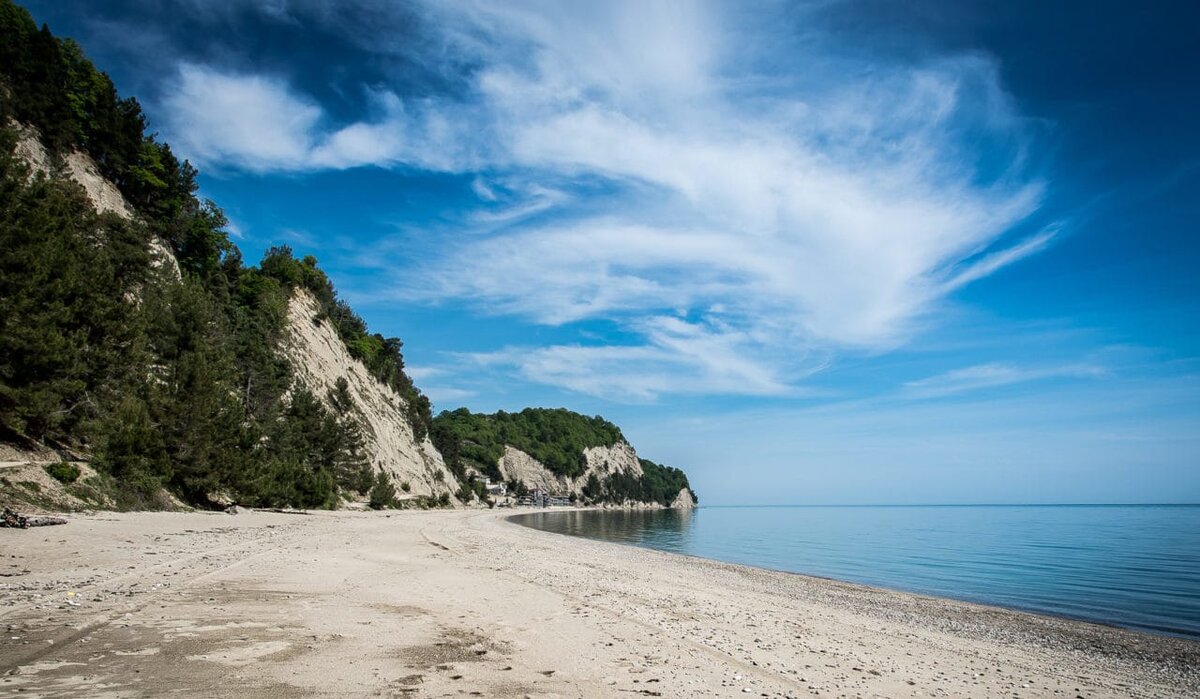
[(383, 493)]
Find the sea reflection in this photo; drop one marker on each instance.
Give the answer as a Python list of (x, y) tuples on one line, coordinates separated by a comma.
[(667, 530)]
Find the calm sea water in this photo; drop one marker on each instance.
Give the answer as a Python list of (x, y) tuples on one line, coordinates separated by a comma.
[(1136, 566)]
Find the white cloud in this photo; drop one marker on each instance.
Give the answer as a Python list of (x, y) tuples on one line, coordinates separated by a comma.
[(786, 197), (261, 124), (677, 361), (828, 216), (441, 395), (991, 262), (995, 375), (420, 373), (526, 200), (246, 121)]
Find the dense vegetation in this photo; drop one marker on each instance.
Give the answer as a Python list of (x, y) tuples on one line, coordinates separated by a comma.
[(168, 380), (555, 437)]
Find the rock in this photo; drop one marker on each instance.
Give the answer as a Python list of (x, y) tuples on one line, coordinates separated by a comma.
[(684, 501), (220, 498)]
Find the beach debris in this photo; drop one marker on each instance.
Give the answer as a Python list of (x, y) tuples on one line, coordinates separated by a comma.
[(16, 520)]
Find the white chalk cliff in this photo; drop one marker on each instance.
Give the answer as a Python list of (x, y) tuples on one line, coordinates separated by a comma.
[(600, 461), (319, 358)]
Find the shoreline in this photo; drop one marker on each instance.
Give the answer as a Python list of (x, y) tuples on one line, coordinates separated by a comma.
[(984, 605), (467, 603), (1129, 639)]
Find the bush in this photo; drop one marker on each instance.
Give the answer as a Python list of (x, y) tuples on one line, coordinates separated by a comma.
[(426, 502), (383, 493), (63, 472)]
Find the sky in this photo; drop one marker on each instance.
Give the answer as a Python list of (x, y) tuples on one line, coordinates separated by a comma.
[(832, 252)]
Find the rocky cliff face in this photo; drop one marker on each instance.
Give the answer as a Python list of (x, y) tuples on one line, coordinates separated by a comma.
[(319, 358), (601, 462), (684, 501)]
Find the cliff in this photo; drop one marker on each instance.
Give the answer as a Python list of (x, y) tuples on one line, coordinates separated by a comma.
[(319, 358), (601, 462), (317, 355), (609, 465), (685, 500), (559, 453)]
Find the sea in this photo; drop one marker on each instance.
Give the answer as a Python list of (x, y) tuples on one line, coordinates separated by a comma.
[(1135, 566)]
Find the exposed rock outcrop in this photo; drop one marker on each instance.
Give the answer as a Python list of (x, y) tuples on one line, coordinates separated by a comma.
[(319, 358), (105, 197), (606, 461), (601, 462), (516, 465), (684, 501), (29, 148)]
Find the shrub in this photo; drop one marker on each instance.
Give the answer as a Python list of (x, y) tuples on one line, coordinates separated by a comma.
[(63, 472), (383, 493)]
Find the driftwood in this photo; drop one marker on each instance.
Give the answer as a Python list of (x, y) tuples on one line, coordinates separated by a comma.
[(20, 521)]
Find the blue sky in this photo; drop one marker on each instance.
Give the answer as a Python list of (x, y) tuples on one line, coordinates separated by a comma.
[(819, 253)]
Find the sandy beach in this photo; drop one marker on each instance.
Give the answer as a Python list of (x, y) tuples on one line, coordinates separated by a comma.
[(466, 603)]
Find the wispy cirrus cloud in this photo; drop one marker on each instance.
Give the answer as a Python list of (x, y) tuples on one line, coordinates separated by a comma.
[(996, 375), (677, 358), (770, 198)]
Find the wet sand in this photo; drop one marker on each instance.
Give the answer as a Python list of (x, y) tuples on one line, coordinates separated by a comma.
[(441, 604)]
